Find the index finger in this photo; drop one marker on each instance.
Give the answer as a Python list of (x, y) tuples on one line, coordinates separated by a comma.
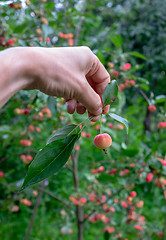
[(98, 78)]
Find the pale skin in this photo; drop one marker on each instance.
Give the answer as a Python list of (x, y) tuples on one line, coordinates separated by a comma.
[(74, 73)]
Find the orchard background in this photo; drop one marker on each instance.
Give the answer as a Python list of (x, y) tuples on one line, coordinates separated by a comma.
[(119, 195)]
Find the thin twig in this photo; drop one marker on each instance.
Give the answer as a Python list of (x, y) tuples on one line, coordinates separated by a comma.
[(55, 197), (80, 24), (34, 212), (71, 169), (79, 209), (143, 94), (74, 157)]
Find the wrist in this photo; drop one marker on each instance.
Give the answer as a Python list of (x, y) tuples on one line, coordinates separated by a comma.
[(11, 70), (19, 69)]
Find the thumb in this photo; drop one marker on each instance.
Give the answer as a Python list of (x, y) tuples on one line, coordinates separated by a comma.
[(90, 99)]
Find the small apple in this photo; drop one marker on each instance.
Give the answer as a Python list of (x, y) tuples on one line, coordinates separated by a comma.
[(102, 141)]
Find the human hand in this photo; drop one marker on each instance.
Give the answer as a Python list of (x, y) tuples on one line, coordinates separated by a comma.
[(74, 73)]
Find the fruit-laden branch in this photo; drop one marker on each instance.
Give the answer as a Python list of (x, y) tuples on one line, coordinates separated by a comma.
[(95, 164), (101, 204)]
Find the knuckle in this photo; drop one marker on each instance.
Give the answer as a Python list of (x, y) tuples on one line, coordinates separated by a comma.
[(83, 87), (87, 50)]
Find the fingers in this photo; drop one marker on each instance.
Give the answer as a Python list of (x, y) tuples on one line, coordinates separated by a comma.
[(71, 105), (92, 117), (91, 87), (80, 108), (98, 76), (89, 98)]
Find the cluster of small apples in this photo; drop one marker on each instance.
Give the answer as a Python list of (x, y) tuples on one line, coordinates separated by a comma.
[(25, 142), (32, 128), (7, 43), (16, 6), (117, 127), (160, 182), (47, 39), (132, 216), (44, 20), (26, 158), (163, 161), (23, 201), (19, 111), (98, 217), (80, 201), (68, 36), (111, 172), (45, 112), (87, 135), (98, 170), (126, 84), (109, 229), (116, 73), (128, 204), (149, 177), (124, 172)]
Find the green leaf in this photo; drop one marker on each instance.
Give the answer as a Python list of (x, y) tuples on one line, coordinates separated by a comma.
[(106, 178), (5, 129), (119, 119), (130, 151), (51, 103), (110, 93), (144, 86), (49, 5), (101, 57), (49, 160), (47, 30), (143, 80), (116, 40), (137, 54), (21, 28), (64, 132), (160, 99)]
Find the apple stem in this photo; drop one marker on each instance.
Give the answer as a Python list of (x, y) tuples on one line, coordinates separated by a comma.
[(100, 123), (105, 151)]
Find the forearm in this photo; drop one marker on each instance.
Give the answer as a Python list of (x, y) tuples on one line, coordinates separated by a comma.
[(12, 68)]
